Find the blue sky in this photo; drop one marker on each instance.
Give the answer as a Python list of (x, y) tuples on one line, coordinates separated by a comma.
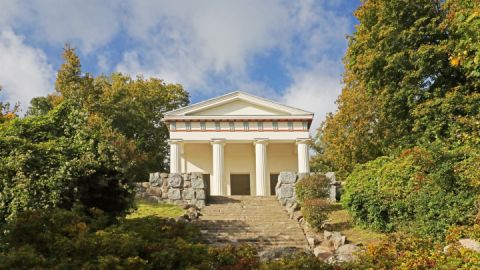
[(288, 51)]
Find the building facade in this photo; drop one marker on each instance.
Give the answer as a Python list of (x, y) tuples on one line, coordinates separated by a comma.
[(240, 142)]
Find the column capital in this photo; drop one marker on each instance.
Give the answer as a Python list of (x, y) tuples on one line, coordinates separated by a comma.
[(174, 141), (303, 141), (260, 141), (218, 141)]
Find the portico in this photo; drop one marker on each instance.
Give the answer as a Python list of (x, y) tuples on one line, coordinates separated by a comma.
[(240, 142)]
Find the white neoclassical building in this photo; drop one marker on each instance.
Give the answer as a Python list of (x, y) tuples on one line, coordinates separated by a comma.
[(240, 142)]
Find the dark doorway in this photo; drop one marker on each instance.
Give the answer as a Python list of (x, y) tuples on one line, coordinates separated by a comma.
[(273, 183), (240, 184), (206, 178)]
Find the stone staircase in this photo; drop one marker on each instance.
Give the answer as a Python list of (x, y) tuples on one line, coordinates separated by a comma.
[(258, 221)]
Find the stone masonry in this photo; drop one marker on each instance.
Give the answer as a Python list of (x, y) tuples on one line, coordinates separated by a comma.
[(285, 188), (330, 246), (186, 188)]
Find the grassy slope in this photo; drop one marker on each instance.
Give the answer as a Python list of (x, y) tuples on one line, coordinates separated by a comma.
[(156, 209), (340, 220)]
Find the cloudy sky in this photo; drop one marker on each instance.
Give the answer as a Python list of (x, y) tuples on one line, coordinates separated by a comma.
[(289, 51)]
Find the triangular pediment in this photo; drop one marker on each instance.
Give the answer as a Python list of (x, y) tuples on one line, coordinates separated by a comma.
[(238, 104), (238, 107)]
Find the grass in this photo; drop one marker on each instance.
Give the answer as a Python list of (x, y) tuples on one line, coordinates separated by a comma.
[(145, 208), (340, 220)]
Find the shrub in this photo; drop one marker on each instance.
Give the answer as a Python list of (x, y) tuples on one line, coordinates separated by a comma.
[(420, 191), (315, 212), (312, 187), (58, 160), (404, 251), (61, 239), (456, 233), (299, 261)]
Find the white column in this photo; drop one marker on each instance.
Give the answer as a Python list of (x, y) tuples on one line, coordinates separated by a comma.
[(261, 171), (218, 167), (303, 155), (175, 156)]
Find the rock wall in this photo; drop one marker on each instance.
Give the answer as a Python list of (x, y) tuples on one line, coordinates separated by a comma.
[(184, 189), (285, 188), (329, 246)]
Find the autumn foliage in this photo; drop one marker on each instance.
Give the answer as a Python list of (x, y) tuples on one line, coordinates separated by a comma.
[(406, 136)]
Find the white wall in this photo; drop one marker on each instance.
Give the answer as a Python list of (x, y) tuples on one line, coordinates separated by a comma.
[(239, 158), (197, 157)]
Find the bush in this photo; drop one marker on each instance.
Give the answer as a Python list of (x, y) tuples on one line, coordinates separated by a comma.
[(404, 251), (457, 233), (422, 191), (315, 212), (58, 160), (312, 187), (61, 239), (299, 261)]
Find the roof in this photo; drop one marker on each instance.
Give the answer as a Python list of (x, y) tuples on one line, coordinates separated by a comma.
[(237, 105)]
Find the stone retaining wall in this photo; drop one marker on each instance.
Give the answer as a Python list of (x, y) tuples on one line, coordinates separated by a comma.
[(328, 246), (186, 188), (285, 188)]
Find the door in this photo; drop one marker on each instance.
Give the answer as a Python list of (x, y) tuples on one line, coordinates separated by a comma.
[(206, 178), (273, 183), (240, 184)]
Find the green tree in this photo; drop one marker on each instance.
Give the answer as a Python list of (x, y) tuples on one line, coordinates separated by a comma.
[(40, 106), (135, 108), (411, 77), (61, 159), (406, 136)]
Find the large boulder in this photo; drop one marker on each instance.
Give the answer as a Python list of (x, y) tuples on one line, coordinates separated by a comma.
[(470, 244), (286, 191), (200, 194), (336, 238), (155, 179), (188, 194), (346, 253), (331, 176), (277, 188), (156, 191), (175, 180), (197, 180), (287, 178), (323, 253), (174, 194)]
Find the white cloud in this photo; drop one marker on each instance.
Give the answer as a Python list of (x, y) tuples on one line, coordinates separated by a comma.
[(315, 90), (103, 63), (317, 77), (88, 24), (188, 41), (24, 71), (208, 46)]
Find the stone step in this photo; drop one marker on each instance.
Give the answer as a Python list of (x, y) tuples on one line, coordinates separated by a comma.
[(262, 244), (232, 217), (256, 240), (257, 221), (267, 237), (249, 226)]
